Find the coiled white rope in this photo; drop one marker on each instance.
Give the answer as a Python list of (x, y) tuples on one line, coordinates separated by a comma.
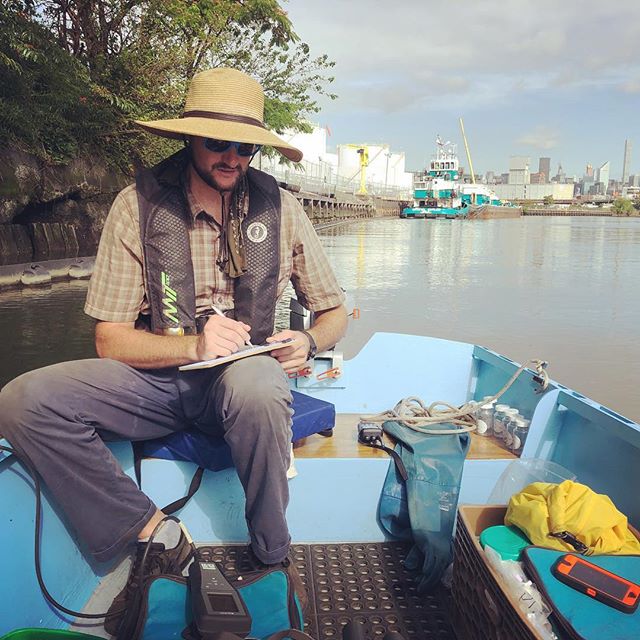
[(413, 412)]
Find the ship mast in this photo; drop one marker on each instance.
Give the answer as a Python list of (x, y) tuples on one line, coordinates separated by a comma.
[(466, 146)]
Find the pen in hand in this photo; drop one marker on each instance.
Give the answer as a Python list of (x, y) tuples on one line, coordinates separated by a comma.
[(219, 313)]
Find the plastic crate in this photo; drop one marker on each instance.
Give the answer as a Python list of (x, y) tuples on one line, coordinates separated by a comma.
[(483, 610)]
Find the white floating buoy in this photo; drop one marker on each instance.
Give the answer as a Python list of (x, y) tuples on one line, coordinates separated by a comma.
[(81, 269), (35, 275)]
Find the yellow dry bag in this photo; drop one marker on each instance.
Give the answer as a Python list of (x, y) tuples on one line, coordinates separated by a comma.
[(571, 517)]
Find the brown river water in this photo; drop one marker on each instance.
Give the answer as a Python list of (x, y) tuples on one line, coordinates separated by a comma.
[(561, 289)]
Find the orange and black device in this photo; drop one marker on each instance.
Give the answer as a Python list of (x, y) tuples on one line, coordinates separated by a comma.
[(596, 582)]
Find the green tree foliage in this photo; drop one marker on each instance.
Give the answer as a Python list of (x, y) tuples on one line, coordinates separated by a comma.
[(622, 207), (636, 203), (547, 200), (80, 71), (47, 103), (289, 75)]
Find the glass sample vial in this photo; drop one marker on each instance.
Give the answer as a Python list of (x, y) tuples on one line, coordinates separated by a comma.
[(498, 416), (509, 424), (509, 415), (519, 434), (498, 419), (484, 419)]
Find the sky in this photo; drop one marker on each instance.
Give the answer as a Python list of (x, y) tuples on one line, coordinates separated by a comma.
[(555, 78)]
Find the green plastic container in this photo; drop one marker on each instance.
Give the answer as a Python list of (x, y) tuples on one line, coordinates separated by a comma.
[(47, 634), (507, 541)]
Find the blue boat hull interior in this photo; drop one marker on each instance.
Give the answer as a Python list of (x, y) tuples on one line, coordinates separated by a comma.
[(332, 500)]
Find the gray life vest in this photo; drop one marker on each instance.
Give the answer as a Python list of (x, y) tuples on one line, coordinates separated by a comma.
[(165, 221)]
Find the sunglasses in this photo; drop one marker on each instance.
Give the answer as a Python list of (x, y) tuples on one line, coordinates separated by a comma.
[(243, 149)]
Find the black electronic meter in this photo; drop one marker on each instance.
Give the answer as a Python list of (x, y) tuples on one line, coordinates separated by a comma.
[(217, 605)]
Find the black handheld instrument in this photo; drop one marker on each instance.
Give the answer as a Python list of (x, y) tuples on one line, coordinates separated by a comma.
[(369, 432), (596, 582), (217, 605)]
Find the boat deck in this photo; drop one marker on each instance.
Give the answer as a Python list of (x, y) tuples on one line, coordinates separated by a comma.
[(357, 583), (344, 444)]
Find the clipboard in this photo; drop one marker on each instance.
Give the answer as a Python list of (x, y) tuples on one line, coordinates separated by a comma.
[(243, 352)]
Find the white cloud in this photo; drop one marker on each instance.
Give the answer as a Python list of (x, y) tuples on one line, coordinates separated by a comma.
[(540, 138), (414, 50), (406, 70), (631, 86), (393, 94)]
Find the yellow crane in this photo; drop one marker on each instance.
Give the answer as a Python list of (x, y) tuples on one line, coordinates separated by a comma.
[(466, 146), (363, 152)]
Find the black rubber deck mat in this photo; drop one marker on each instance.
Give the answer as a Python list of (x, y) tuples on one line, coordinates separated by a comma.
[(365, 582)]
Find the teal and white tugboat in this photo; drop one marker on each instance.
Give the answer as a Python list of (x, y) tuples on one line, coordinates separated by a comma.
[(436, 191), (439, 191)]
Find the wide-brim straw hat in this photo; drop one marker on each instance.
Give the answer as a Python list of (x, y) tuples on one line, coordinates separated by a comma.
[(225, 104)]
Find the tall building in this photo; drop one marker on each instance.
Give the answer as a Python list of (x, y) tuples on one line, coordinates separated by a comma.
[(626, 162), (589, 170), (538, 178), (586, 185), (602, 178), (519, 170), (544, 166), (561, 176)]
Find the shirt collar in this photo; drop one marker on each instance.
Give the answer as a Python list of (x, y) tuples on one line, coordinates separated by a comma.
[(195, 208)]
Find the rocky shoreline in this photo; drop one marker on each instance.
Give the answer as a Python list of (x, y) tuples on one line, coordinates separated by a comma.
[(50, 211), (52, 214)]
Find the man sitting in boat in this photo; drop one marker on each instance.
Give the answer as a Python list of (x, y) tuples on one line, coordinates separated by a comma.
[(199, 231)]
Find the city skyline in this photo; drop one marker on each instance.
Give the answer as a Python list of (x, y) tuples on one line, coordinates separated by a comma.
[(526, 77)]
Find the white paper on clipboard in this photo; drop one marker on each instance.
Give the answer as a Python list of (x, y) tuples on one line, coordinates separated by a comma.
[(243, 352)]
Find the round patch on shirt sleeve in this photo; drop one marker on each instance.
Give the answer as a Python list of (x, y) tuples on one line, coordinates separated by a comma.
[(257, 232)]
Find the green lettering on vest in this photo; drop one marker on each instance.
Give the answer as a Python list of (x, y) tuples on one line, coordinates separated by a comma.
[(170, 296)]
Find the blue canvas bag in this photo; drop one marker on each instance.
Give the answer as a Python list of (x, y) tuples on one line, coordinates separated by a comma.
[(582, 617), (268, 596), (423, 508)]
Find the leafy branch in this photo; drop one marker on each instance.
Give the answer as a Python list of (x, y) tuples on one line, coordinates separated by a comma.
[(75, 73)]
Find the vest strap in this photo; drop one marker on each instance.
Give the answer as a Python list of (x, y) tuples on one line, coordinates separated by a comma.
[(169, 279)]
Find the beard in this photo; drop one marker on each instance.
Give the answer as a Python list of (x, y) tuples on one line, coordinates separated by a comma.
[(207, 176)]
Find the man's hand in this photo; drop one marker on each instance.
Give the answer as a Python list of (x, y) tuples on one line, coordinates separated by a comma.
[(294, 357), (328, 327), (221, 336)]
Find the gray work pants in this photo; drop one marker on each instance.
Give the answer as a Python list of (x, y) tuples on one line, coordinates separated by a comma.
[(60, 415)]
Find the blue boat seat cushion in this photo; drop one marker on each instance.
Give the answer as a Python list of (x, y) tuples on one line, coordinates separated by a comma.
[(310, 416)]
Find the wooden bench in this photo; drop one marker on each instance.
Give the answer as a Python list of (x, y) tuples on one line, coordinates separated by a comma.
[(344, 444)]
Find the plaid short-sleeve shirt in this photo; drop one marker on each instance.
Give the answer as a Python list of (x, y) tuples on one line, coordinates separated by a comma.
[(117, 287)]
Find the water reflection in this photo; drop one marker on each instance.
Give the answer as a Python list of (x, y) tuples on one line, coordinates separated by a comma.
[(562, 289), (558, 288), (43, 325)]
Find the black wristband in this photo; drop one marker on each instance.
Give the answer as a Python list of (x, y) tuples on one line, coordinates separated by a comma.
[(313, 348)]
